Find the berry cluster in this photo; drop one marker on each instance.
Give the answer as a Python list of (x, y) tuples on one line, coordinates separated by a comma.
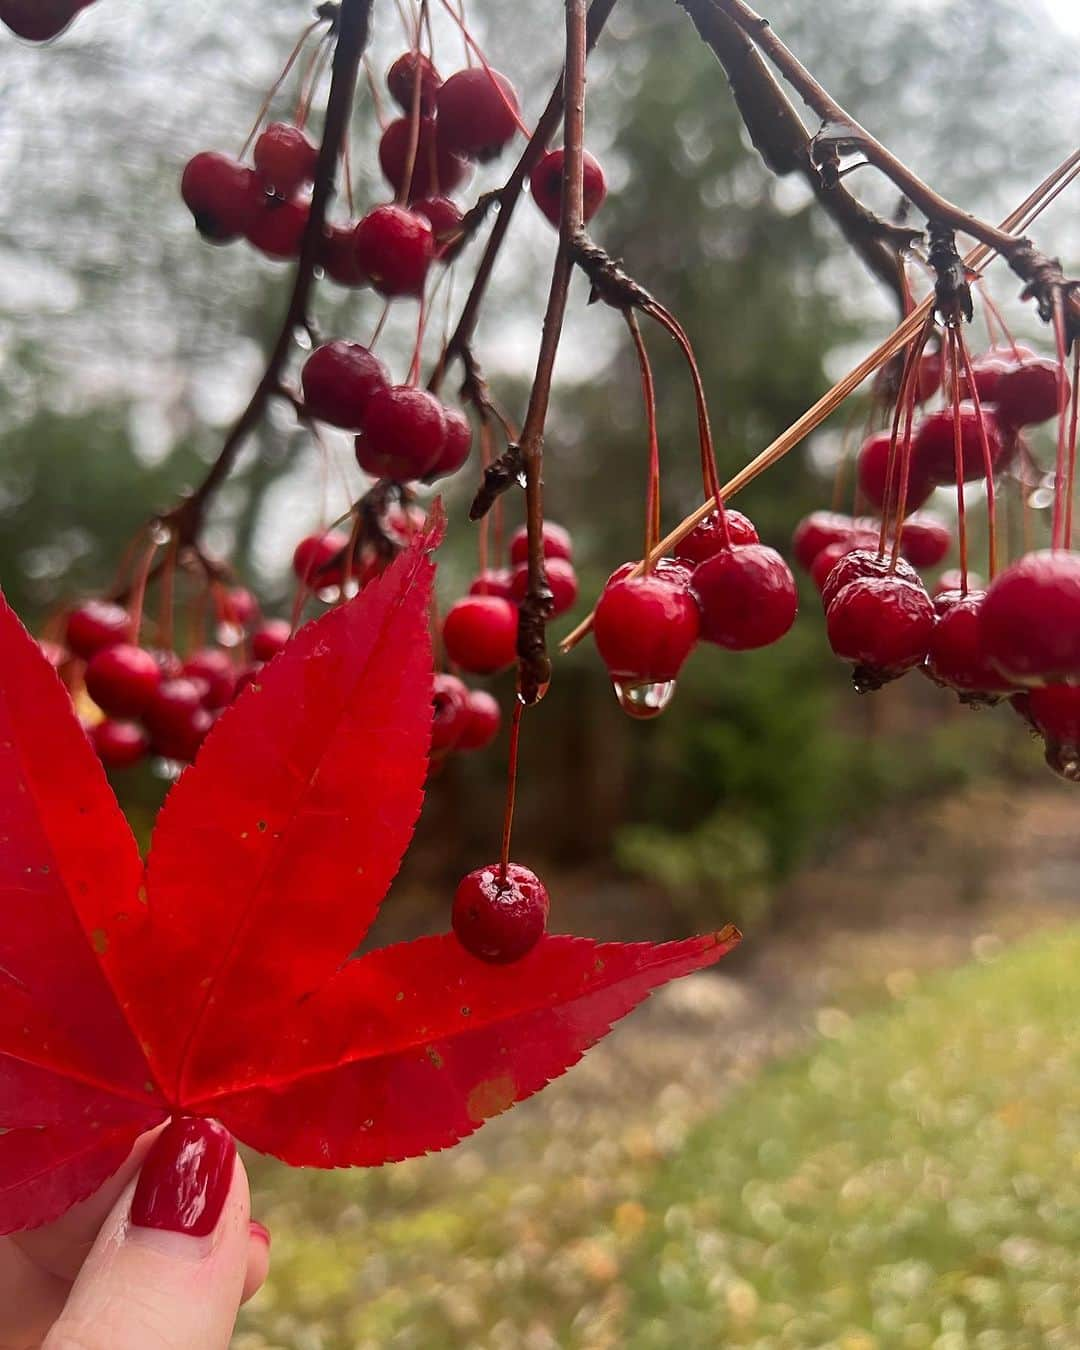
[(40, 20), (150, 700)]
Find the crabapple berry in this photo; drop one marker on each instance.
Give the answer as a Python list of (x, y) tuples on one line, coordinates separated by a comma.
[(480, 634), (119, 744), (222, 194), (176, 720), (478, 113), (122, 679), (456, 445), (403, 76), (39, 20), (318, 560), (285, 159), (747, 597), (435, 171), (557, 543), (270, 639), (957, 656), (1054, 711), (338, 256), (1031, 618), (865, 540), (450, 701), (482, 725), (404, 432), (872, 469), (238, 606), (933, 450), (395, 248), (545, 183), (500, 918), (492, 581), (925, 539), (708, 537), (561, 579), (96, 624), (883, 626), (1032, 391), (445, 218), (338, 379), (864, 562), (815, 531), (278, 228), (645, 627), (215, 668)]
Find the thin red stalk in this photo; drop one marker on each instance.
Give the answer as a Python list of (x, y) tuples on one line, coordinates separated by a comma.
[(376, 95), (405, 190), (511, 789), (138, 594), (1057, 533), (648, 390), (988, 463), (264, 107), (905, 402), (168, 596), (958, 460), (1071, 483), (376, 332), (421, 321), (307, 85)]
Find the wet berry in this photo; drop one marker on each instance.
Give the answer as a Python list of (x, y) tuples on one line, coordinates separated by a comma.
[(872, 469), (957, 657), (817, 530), (395, 248), (864, 562), (222, 194), (338, 256), (545, 183), (747, 597), (445, 219), (500, 919), (456, 444), (122, 679), (318, 560), (269, 639), (561, 579), (933, 451), (557, 543), (278, 228), (215, 668), (645, 627), (412, 68), (119, 744), (1031, 618), (478, 112), (338, 379), (480, 634), (1054, 711), (238, 606), (483, 721), (285, 159), (865, 540), (404, 432), (707, 537), (883, 626), (96, 624), (450, 701), (436, 170), (39, 20), (493, 581), (953, 580), (925, 539), (176, 719), (1032, 391)]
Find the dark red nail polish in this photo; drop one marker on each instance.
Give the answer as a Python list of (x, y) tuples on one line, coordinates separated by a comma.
[(185, 1178)]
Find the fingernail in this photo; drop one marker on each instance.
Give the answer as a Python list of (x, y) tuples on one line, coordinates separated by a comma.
[(260, 1231), (185, 1178)]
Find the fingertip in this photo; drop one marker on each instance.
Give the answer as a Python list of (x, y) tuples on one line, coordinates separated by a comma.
[(258, 1259)]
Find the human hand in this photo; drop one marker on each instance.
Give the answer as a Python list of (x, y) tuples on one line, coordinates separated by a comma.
[(159, 1259)]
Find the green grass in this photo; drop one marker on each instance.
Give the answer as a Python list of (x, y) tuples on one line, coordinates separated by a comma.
[(913, 1181)]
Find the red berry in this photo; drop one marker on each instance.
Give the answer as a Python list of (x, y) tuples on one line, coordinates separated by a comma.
[(872, 468), (215, 668), (561, 579), (224, 197), (338, 379), (39, 20), (493, 581), (176, 720), (863, 562), (933, 453), (456, 446), (478, 113), (817, 530), (395, 248), (747, 597), (500, 919), (122, 679), (675, 570), (285, 159), (53, 652), (865, 540), (445, 219), (96, 624), (436, 170), (338, 256), (404, 432), (480, 634), (957, 657), (953, 580), (401, 79), (450, 700), (119, 744), (645, 627), (707, 537), (1030, 392), (318, 561), (270, 639), (925, 539), (482, 724), (557, 543), (1031, 618), (883, 626), (545, 183), (1054, 711), (238, 606), (928, 379), (278, 228), (987, 369)]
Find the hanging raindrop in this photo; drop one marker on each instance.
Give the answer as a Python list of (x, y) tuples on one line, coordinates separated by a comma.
[(647, 698)]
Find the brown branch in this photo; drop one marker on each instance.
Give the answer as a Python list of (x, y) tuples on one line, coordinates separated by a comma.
[(841, 133), (506, 199), (352, 22), (783, 142)]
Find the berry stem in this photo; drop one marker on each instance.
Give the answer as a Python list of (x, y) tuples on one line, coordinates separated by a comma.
[(376, 95), (405, 190), (511, 787), (648, 389), (958, 456), (1057, 533), (264, 107), (988, 463), (905, 406), (1070, 483), (472, 45), (138, 593)]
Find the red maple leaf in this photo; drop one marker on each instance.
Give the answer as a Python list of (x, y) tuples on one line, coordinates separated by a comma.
[(216, 980)]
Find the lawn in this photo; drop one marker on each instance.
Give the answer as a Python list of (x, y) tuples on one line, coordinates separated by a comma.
[(912, 1181)]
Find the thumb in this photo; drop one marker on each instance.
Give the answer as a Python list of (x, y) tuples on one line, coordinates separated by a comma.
[(167, 1269)]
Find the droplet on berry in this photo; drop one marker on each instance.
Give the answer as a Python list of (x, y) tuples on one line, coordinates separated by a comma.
[(1032, 391), (122, 679), (1031, 618), (412, 68), (119, 744), (557, 543), (285, 159), (338, 379), (222, 194), (404, 432), (545, 183), (450, 702), (500, 918), (96, 624), (645, 627), (707, 537), (864, 562), (883, 626), (478, 113), (480, 634), (483, 721), (319, 560), (747, 596), (436, 170), (644, 699), (395, 248)]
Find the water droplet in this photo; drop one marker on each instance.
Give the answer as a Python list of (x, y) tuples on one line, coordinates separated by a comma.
[(303, 339), (229, 634), (169, 769), (1064, 759), (1040, 499), (328, 594), (646, 698), (160, 533), (522, 480)]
